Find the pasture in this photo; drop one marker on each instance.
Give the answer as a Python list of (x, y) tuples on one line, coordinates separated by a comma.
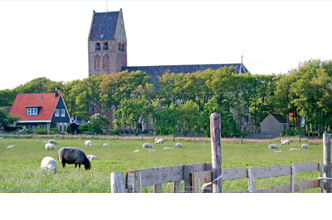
[(20, 166)]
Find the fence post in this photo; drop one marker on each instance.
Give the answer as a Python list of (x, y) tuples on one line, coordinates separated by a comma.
[(299, 139), (327, 162), (215, 131), (117, 183), (173, 137), (241, 139), (234, 139)]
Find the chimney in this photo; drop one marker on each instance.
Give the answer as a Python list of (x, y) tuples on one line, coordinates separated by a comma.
[(56, 92)]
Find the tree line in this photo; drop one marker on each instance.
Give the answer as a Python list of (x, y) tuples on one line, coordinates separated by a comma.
[(183, 102)]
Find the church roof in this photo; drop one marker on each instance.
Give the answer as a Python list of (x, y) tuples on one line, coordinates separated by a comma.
[(155, 71), (103, 25)]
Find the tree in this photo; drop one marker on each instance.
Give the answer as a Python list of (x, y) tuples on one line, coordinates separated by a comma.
[(97, 122), (188, 117), (134, 112), (6, 119), (166, 120)]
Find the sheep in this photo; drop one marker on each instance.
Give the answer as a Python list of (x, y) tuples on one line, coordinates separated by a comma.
[(155, 139), (136, 151), (277, 151), (50, 146), (75, 156), (12, 146), (160, 141), (273, 146), (147, 145), (178, 145), (304, 146), (48, 163), (88, 143), (295, 149), (169, 148), (152, 150), (285, 142), (105, 145), (52, 141), (1, 138), (91, 157)]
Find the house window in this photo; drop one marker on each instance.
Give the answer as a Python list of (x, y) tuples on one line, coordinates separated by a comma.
[(63, 113), (57, 113), (32, 111)]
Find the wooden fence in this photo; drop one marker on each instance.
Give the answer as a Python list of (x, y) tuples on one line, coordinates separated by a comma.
[(211, 175)]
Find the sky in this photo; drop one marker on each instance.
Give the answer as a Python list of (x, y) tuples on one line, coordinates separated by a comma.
[(50, 38)]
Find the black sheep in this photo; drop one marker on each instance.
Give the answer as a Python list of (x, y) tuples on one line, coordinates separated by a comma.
[(75, 156)]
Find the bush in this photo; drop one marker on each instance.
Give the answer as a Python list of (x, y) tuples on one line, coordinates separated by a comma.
[(54, 130), (84, 127), (69, 130), (292, 132), (40, 130), (13, 128)]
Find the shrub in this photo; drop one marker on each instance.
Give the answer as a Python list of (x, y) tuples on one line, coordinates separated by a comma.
[(84, 127), (39, 130), (54, 130)]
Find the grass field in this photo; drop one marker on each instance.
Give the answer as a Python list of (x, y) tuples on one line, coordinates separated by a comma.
[(20, 166)]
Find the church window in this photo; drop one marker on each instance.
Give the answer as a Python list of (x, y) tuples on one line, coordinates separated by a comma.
[(123, 47), (97, 62), (98, 46), (106, 62), (119, 47), (105, 46)]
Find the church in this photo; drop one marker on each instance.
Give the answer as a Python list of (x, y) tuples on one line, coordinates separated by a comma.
[(107, 49)]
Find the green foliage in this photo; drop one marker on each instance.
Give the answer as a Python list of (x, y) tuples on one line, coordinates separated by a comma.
[(54, 130), (39, 130), (165, 120), (84, 127), (188, 117), (117, 126), (13, 128), (97, 122), (292, 132), (69, 129), (6, 119)]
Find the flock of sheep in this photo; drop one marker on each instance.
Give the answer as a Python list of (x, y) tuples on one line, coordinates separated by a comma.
[(286, 142), (158, 141)]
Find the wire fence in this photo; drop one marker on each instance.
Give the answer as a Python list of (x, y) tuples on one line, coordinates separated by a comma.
[(77, 189)]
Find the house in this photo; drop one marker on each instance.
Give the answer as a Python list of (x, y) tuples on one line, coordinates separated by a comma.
[(273, 124), (41, 109)]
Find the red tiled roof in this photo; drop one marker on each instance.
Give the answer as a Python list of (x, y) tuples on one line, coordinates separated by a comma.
[(7, 108), (47, 103)]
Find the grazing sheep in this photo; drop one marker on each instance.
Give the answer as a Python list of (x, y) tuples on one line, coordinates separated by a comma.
[(147, 145), (178, 145), (295, 149), (304, 146), (91, 157), (136, 151), (285, 142), (155, 139), (1, 138), (52, 141), (48, 163), (160, 141), (50, 146), (88, 143), (152, 150), (75, 156), (277, 151), (273, 146), (105, 145), (169, 148), (12, 146)]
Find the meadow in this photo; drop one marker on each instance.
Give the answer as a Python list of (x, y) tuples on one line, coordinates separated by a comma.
[(20, 166)]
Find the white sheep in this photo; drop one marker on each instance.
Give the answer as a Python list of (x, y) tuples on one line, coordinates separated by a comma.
[(178, 145), (12, 146), (136, 151), (152, 150), (304, 146), (48, 163), (285, 142), (91, 157), (1, 138), (160, 141), (295, 149), (88, 143), (50, 146), (147, 145), (155, 139), (169, 148), (277, 151), (52, 141), (105, 145), (274, 146)]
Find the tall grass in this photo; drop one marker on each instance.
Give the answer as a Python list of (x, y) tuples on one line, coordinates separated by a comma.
[(20, 166)]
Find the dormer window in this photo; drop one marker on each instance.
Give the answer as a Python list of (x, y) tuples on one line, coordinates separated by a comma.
[(105, 46), (40, 97), (32, 111), (98, 46)]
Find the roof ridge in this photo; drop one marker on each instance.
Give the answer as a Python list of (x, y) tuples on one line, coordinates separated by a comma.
[(188, 65)]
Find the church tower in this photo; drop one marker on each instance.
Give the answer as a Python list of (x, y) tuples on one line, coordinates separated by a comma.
[(107, 43)]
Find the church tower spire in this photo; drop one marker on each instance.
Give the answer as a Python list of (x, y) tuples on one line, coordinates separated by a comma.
[(107, 43)]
